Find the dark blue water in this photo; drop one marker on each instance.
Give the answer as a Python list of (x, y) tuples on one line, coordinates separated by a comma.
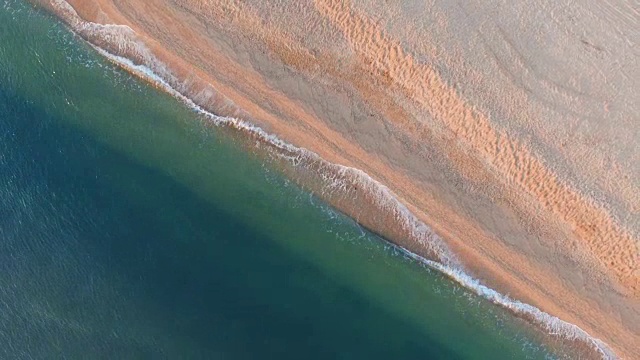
[(130, 228)]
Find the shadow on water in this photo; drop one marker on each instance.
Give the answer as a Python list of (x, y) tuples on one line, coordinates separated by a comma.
[(202, 281)]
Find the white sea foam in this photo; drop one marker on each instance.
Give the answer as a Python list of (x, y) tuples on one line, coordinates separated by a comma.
[(340, 179)]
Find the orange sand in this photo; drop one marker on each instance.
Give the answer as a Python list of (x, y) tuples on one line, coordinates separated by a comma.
[(511, 129)]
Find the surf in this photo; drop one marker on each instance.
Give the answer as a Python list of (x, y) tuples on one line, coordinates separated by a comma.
[(335, 180)]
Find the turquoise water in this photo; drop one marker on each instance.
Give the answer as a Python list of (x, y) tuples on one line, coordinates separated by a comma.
[(131, 228)]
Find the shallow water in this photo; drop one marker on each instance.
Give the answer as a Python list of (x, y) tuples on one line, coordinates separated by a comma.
[(130, 228)]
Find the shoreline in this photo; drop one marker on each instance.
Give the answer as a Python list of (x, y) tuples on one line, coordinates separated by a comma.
[(446, 264), (406, 204)]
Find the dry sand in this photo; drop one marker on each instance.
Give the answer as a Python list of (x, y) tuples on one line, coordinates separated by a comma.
[(512, 128)]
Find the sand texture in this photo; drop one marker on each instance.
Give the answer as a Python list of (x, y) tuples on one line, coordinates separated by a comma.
[(511, 128)]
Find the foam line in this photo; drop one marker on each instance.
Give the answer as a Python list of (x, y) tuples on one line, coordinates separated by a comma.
[(552, 324), (157, 73)]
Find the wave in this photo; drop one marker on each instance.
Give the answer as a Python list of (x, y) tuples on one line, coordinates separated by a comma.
[(336, 178)]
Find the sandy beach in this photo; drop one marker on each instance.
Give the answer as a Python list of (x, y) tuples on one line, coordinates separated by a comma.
[(509, 128)]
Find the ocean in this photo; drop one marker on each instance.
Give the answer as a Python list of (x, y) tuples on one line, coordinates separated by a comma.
[(131, 227)]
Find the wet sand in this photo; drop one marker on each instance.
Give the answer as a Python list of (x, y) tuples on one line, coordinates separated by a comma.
[(510, 129)]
